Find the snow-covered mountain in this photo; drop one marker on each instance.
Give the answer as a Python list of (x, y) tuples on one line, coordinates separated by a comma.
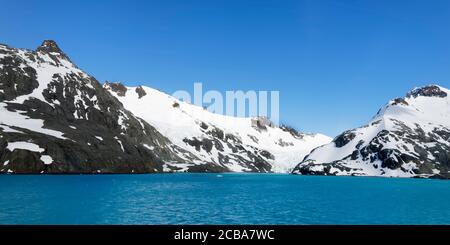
[(237, 144), (409, 137), (55, 118)]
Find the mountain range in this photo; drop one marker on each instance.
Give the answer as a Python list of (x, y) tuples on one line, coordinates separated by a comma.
[(57, 119)]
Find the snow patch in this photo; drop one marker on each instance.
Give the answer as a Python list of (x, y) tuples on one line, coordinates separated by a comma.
[(120, 143), (24, 146), (47, 159), (148, 147)]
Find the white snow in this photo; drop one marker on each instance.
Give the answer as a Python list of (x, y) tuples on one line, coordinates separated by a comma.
[(47, 159), (120, 143), (7, 129), (24, 146), (148, 147)]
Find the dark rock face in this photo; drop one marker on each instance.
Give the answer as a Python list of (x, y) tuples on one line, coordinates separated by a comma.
[(250, 158), (427, 91), (15, 82), (97, 135), (344, 138)]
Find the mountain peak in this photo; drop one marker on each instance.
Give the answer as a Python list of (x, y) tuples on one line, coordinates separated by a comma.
[(407, 138), (51, 47), (427, 91)]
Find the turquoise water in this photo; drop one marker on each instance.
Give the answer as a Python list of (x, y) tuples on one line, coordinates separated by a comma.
[(212, 199)]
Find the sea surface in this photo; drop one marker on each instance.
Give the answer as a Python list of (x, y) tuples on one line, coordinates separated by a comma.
[(221, 199)]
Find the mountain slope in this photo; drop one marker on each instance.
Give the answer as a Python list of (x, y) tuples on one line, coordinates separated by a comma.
[(409, 137), (55, 118), (238, 144)]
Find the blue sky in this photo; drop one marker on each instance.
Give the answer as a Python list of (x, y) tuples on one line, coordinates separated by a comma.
[(335, 63)]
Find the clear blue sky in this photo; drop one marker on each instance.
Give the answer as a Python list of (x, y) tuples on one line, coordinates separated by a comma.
[(335, 63)]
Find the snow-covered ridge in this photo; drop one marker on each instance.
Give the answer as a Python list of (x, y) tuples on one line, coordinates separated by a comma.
[(426, 105), (230, 139), (408, 137)]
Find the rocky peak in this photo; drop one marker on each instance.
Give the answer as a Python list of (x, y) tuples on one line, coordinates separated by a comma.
[(116, 87), (51, 47), (427, 91)]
